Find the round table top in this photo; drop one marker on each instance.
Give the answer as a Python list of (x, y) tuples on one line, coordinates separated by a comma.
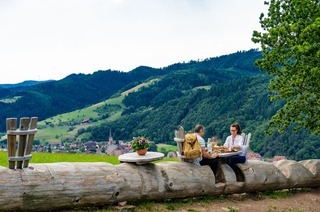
[(140, 159)]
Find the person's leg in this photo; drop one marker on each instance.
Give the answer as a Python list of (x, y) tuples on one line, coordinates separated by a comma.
[(213, 163), (236, 159)]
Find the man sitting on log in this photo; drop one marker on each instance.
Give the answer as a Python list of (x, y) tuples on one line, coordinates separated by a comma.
[(206, 159)]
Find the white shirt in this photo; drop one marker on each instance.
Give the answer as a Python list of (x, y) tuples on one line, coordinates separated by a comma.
[(238, 141), (201, 141)]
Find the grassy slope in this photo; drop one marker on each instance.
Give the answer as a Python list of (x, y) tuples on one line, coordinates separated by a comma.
[(60, 129)]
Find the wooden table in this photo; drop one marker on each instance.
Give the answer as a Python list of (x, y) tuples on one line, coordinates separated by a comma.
[(140, 159), (223, 156)]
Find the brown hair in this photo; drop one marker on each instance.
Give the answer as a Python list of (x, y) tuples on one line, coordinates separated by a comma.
[(198, 128), (237, 126)]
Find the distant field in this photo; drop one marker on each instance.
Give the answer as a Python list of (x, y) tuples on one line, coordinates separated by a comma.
[(206, 87), (167, 147), (139, 86), (65, 157), (61, 130)]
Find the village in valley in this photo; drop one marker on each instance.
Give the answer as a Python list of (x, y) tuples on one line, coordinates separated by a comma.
[(110, 147), (114, 148)]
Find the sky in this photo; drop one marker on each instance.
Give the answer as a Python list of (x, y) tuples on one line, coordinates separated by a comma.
[(51, 39)]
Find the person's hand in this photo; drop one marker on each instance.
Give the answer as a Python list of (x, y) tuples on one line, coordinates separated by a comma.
[(214, 155)]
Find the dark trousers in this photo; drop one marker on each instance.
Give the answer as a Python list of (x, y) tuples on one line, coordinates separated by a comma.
[(213, 163), (236, 159)]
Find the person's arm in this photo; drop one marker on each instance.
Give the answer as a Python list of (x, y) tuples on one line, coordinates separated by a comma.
[(226, 143), (205, 154), (236, 147)]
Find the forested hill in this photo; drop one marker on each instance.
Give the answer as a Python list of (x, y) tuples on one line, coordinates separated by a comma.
[(79, 90), (213, 97), (214, 92), (158, 110)]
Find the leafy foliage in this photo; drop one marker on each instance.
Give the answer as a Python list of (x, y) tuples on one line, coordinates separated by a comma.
[(291, 53)]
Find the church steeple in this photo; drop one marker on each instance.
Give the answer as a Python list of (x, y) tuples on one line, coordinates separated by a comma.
[(110, 138)]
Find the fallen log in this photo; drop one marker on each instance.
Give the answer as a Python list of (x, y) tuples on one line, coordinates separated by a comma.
[(55, 186)]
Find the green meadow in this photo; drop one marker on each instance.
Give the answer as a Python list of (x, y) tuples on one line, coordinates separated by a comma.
[(66, 125), (38, 157), (166, 147)]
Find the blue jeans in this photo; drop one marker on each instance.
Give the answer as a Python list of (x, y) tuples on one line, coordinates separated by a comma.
[(236, 159)]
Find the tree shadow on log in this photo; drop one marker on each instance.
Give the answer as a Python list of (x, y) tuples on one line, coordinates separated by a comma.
[(239, 174), (220, 177)]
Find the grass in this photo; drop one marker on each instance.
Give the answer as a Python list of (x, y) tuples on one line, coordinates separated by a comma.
[(60, 129), (281, 194), (38, 157), (167, 147), (136, 88), (11, 100)]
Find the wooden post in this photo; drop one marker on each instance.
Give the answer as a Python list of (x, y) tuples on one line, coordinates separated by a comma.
[(26, 136), (11, 125), (24, 125), (33, 125)]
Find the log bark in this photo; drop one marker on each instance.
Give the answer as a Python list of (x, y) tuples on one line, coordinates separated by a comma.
[(70, 185)]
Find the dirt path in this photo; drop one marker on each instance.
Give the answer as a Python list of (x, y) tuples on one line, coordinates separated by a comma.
[(303, 200), (306, 202)]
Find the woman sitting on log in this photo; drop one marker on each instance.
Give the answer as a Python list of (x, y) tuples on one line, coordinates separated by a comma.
[(235, 142)]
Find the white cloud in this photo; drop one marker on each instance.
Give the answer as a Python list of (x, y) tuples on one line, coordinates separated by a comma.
[(50, 39)]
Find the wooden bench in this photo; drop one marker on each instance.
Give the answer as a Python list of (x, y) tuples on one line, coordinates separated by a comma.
[(179, 138), (246, 142), (25, 134)]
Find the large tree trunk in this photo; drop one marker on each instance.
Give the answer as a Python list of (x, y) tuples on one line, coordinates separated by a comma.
[(67, 185)]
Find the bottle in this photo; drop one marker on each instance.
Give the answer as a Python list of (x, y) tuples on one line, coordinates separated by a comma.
[(209, 145), (214, 142)]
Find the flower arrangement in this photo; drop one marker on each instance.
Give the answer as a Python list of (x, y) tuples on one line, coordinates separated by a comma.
[(139, 143)]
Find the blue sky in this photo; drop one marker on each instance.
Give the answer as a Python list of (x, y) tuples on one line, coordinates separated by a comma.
[(50, 39)]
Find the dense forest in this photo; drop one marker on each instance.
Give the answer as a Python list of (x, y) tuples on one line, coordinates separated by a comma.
[(214, 92), (73, 92), (244, 100)]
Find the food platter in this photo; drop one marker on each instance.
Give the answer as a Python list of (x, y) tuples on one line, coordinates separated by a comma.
[(222, 149)]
